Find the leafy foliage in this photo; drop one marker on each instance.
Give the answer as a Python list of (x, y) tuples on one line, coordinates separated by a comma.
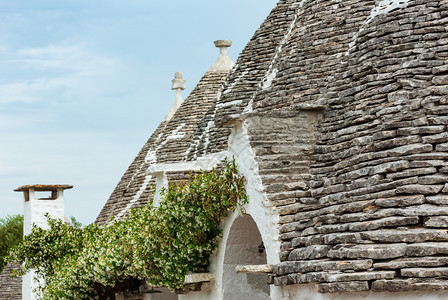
[(11, 232), (160, 244), (75, 222)]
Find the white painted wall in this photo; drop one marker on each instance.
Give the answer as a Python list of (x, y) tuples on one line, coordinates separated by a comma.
[(35, 210), (258, 208)]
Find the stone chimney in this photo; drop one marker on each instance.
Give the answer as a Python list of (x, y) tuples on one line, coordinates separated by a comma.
[(223, 63), (178, 86), (35, 208)]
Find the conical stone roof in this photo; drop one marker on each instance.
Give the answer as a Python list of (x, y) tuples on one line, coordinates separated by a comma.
[(171, 142)]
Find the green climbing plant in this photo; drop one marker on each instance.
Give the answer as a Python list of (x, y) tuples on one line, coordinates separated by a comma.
[(159, 244)]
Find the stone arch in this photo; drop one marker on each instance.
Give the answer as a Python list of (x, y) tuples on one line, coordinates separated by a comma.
[(244, 246)]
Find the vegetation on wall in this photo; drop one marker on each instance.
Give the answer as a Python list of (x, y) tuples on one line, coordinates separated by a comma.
[(159, 244), (11, 232)]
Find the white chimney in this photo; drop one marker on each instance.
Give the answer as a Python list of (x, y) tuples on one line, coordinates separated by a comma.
[(35, 208)]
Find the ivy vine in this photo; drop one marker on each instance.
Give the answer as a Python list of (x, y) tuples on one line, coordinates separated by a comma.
[(158, 244)]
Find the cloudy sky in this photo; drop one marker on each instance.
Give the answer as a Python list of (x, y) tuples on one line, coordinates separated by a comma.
[(84, 83)]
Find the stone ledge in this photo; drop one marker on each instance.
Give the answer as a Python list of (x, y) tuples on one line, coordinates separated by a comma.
[(403, 285), (199, 277), (254, 269), (341, 287)]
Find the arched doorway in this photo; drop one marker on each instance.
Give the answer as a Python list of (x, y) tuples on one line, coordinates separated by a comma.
[(244, 247)]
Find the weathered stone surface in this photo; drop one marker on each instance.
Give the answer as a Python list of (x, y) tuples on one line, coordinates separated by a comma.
[(295, 226), (374, 251), (253, 269), (424, 272), (338, 276), (384, 222), (412, 172), (310, 277), (401, 201), (342, 287), (307, 241), (357, 276), (426, 249), (445, 189), (437, 138), (433, 179), (342, 238), (412, 262), (422, 210), (407, 236), (404, 285), (322, 265), (442, 147), (440, 69), (440, 80), (310, 252), (429, 156), (389, 167), (419, 189), (439, 199), (428, 163), (410, 149), (362, 226), (437, 222)]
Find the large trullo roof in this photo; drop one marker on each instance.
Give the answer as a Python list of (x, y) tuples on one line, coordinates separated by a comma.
[(345, 108)]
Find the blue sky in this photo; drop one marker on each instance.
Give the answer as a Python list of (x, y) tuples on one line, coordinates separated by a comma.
[(83, 84)]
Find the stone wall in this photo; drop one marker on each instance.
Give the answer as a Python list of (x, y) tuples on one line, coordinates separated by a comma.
[(10, 287)]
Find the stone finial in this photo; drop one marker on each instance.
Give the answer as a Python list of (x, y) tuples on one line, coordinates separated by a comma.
[(223, 45), (223, 63), (178, 86), (178, 82)]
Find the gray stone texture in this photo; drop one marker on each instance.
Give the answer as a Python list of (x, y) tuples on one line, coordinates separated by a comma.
[(379, 161), (10, 287), (343, 287)]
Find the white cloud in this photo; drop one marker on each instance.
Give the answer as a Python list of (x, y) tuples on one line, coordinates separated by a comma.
[(30, 90), (17, 123), (70, 71), (78, 59)]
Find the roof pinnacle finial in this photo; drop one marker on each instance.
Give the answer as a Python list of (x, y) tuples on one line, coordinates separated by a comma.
[(223, 63), (178, 82), (223, 45), (178, 85)]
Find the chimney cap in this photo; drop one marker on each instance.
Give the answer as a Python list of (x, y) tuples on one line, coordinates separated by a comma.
[(43, 187)]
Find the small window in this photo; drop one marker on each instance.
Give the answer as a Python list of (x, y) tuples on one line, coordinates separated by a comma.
[(47, 195)]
